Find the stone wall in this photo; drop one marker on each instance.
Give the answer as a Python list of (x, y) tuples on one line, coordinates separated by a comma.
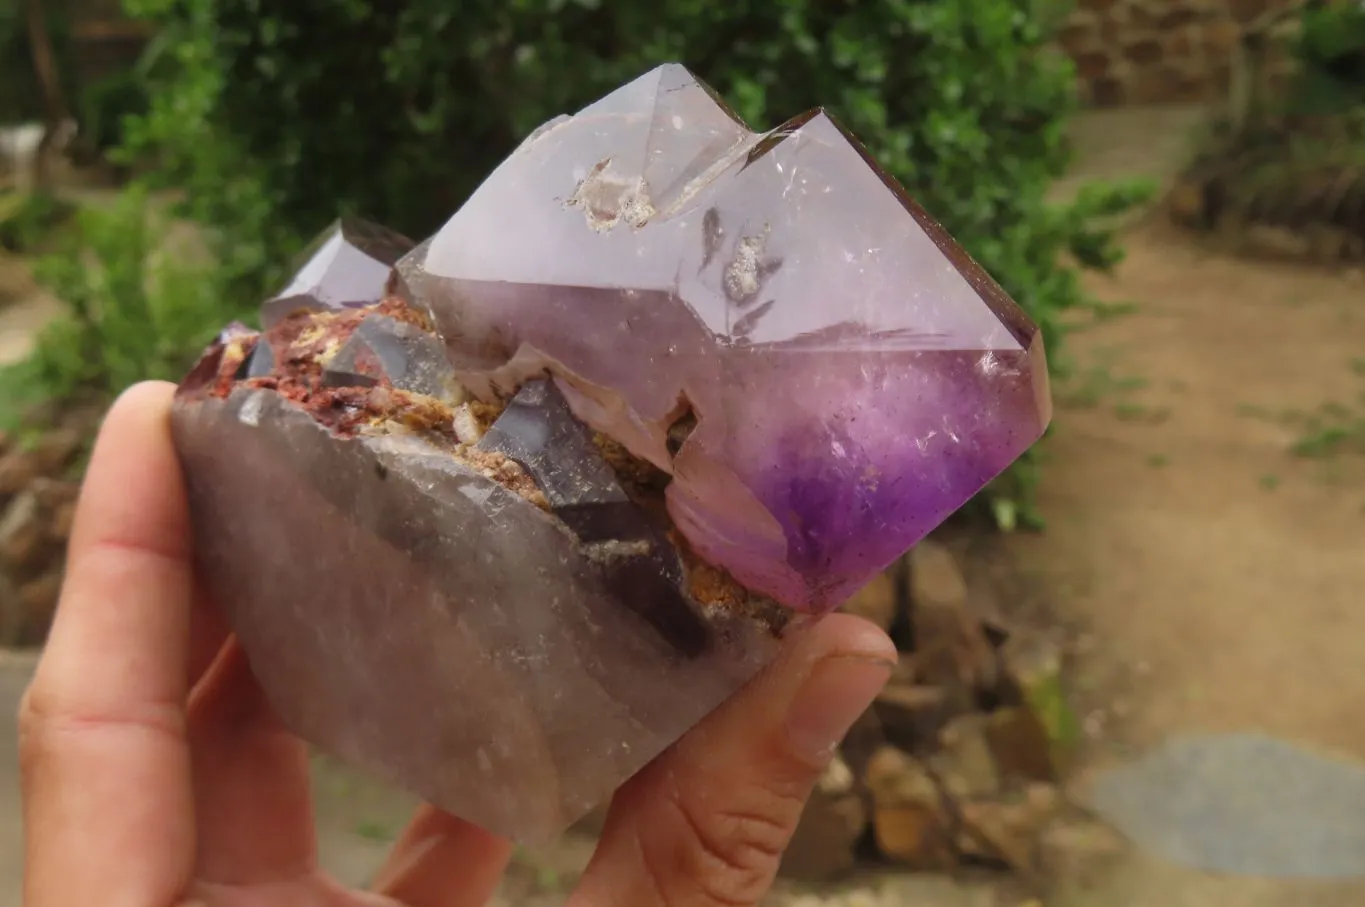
[(1157, 51)]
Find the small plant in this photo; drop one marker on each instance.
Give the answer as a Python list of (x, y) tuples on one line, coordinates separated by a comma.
[(1332, 430), (132, 313), (374, 831), (1291, 152), (1331, 49), (29, 221)]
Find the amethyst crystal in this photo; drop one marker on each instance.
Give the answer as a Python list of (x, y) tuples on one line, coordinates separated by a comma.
[(349, 263), (852, 375), (504, 518)]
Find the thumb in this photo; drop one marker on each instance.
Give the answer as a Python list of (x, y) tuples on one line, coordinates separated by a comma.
[(705, 824)]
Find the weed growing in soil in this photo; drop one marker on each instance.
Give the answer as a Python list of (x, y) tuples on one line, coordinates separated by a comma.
[(29, 221), (1333, 429)]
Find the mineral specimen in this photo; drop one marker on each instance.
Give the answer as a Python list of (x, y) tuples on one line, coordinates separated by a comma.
[(852, 375), (349, 263), (501, 515), (498, 626), (411, 358)]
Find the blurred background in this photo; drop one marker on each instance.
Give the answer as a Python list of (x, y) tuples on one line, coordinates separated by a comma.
[(1134, 668)]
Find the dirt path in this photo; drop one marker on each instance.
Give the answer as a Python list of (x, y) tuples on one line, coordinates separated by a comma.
[(24, 309), (1220, 575)]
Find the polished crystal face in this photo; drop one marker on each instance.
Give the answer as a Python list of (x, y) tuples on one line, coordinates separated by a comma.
[(848, 375)]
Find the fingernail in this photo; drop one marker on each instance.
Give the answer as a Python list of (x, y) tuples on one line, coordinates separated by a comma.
[(838, 690)]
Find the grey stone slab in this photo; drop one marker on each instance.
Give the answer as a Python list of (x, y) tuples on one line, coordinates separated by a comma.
[(1241, 803)]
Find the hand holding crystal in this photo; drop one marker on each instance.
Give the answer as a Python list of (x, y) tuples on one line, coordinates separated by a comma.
[(155, 772)]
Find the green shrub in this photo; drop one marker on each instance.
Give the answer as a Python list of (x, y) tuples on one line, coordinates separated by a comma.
[(104, 106), (133, 312), (1331, 54), (29, 221), (276, 116)]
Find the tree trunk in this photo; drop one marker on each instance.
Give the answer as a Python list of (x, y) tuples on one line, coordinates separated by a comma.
[(54, 101)]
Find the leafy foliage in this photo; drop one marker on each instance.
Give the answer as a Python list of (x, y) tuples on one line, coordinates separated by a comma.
[(276, 116), (27, 222), (133, 312), (1331, 51), (1291, 152)]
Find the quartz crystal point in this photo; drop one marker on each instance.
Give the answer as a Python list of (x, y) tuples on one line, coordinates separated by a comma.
[(498, 627), (349, 263), (850, 376)]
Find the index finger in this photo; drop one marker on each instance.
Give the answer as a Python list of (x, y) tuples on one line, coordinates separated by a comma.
[(106, 772)]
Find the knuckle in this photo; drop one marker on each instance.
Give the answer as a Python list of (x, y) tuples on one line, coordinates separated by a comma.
[(48, 722), (732, 845)]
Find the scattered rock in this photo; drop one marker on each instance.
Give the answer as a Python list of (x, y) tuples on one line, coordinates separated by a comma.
[(63, 519), (915, 836), (1022, 745), (56, 450), (908, 818), (824, 846), (53, 493), (21, 531), (1008, 829), (17, 470), (935, 581), (837, 778), (956, 761), (910, 697), (1269, 241), (896, 778), (1076, 849), (1185, 204), (1037, 736), (912, 714), (37, 509), (951, 647), (1330, 244), (862, 741), (966, 765), (909, 890), (1003, 830)]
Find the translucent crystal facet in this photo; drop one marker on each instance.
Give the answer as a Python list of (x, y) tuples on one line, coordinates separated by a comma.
[(349, 263), (853, 375), (409, 358)]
